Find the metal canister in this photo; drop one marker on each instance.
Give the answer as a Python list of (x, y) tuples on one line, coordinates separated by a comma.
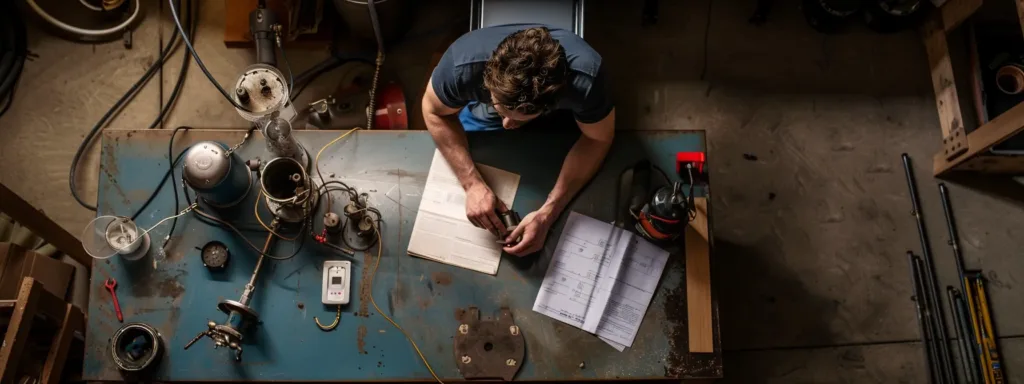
[(221, 179)]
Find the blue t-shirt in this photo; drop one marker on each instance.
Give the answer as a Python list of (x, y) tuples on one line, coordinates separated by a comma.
[(458, 79)]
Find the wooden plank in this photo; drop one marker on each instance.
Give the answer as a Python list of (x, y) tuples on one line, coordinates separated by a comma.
[(18, 331), (73, 321), (25, 214), (1020, 14), (1003, 127), (946, 101), (698, 282), (954, 12), (994, 164)]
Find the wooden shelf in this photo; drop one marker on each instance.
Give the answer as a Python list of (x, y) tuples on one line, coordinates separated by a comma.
[(962, 151)]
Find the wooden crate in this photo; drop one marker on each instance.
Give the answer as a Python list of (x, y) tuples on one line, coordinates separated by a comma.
[(35, 305), (962, 151)]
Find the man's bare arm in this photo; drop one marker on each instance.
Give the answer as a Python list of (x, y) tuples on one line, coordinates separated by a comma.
[(449, 136), (580, 165), (583, 161)]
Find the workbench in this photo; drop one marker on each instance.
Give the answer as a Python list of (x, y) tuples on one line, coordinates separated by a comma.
[(179, 297)]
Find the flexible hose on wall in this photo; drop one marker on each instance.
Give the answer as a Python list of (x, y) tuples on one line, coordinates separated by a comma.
[(88, 34)]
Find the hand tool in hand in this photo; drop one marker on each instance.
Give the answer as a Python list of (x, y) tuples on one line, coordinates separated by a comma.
[(510, 219), (111, 284)]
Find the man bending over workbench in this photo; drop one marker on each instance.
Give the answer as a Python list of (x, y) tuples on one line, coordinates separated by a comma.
[(505, 77)]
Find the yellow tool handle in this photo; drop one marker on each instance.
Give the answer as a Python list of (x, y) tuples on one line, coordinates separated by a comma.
[(975, 321), (992, 349)]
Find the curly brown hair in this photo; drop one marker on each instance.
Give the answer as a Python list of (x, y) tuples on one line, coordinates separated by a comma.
[(526, 71)]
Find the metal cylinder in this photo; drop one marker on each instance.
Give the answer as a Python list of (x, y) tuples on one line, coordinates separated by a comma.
[(332, 223), (268, 93), (219, 178), (136, 347), (1010, 79), (288, 190)]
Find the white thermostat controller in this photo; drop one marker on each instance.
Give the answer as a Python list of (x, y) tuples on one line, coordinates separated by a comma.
[(336, 281)]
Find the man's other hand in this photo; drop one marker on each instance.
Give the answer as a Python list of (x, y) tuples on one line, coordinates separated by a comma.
[(481, 208), (533, 230)]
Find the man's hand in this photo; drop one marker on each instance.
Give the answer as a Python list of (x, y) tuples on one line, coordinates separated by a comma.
[(481, 205), (533, 229)]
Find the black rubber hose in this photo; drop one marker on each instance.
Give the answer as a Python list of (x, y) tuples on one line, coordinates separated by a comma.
[(72, 173), (199, 62), (185, 60)]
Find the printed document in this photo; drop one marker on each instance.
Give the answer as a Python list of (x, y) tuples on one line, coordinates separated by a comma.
[(443, 233), (601, 279)]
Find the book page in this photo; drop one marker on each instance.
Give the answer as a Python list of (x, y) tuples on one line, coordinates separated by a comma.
[(443, 233)]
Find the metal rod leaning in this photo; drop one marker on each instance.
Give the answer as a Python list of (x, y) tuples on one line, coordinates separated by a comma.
[(931, 291), (958, 322), (926, 337), (967, 331), (954, 243)]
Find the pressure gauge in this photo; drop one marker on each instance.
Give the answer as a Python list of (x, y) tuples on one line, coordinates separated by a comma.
[(215, 255)]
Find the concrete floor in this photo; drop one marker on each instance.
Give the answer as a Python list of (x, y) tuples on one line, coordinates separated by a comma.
[(811, 215)]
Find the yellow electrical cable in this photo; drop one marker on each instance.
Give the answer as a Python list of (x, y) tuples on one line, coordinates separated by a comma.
[(380, 250), (316, 161), (337, 318), (256, 212)]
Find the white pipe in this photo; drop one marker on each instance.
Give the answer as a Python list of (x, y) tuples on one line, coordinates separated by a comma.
[(96, 34)]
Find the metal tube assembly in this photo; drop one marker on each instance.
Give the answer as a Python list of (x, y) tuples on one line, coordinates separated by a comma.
[(240, 315)]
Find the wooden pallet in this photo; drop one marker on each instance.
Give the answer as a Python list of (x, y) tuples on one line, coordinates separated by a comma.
[(34, 304), (962, 151)]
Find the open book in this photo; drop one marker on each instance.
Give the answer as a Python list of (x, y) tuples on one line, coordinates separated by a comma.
[(601, 279), (443, 233)]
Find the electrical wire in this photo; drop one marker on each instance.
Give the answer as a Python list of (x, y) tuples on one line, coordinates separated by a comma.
[(174, 187), (316, 161), (256, 213), (93, 34), (245, 240), (288, 65), (164, 220), (337, 319), (366, 247), (323, 182), (199, 62), (707, 33), (86, 4), (344, 240), (87, 141), (380, 251)]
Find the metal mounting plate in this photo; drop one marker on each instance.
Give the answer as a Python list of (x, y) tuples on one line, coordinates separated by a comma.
[(488, 349)]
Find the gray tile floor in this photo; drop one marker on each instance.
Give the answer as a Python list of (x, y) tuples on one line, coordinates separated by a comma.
[(811, 214)]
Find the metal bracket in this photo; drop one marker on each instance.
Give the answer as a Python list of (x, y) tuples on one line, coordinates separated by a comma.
[(956, 143), (488, 349)]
